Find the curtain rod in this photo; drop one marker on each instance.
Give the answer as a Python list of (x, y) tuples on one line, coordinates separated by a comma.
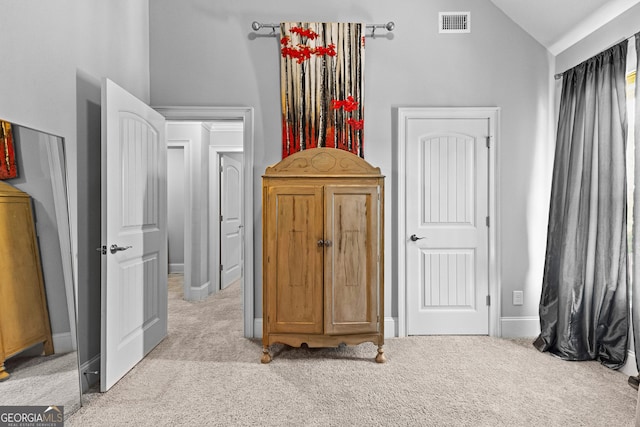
[(256, 26), (559, 75)]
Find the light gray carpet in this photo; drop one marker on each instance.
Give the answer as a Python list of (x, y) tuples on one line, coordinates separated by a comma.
[(206, 373), (42, 381)]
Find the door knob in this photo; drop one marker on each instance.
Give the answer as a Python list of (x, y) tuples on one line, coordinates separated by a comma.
[(415, 238), (116, 248)]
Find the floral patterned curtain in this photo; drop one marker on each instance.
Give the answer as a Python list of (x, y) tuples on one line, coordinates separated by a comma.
[(321, 85)]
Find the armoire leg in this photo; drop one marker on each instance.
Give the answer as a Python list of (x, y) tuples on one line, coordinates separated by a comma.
[(266, 357), (3, 372), (380, 357)]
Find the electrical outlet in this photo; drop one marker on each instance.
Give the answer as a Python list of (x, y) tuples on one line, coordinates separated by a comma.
[(518, 298)]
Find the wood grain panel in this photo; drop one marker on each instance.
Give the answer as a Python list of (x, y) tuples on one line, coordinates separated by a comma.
[(351, 220), (297, 260)]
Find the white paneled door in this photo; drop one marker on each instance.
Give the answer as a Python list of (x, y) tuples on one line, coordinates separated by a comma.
[(447, 244), (231, 218), (134, 232)]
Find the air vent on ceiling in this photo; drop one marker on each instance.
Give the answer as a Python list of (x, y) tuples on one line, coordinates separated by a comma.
[(454, 22)]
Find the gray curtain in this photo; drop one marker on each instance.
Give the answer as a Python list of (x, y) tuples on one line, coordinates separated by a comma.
[(635, 293), (584, 311)]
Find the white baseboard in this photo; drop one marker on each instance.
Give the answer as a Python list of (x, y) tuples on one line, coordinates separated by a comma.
[(90, 373), (62, 343), (390, 327), (630, 368), (519, 327), (176, 268), (198, 293)]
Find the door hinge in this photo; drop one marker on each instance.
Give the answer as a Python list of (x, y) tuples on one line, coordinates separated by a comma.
[(487, 221), (488, 299), (488, 141), (221, 218), (221, 267)]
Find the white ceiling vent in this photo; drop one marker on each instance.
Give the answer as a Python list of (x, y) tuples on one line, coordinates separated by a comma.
[(454, 22)]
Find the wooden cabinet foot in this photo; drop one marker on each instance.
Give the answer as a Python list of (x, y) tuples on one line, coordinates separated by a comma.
[(266, 357), (380, 357), (3, 373)]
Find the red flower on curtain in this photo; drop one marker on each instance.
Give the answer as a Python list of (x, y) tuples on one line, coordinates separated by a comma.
[(356, 124), (310, 34), (349, 105), (303, 52)]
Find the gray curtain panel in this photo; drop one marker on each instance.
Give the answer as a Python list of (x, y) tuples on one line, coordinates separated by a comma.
[(584, 311), (635, 292)]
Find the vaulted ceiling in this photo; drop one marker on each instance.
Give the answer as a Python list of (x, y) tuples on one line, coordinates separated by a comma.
[(558, 24)]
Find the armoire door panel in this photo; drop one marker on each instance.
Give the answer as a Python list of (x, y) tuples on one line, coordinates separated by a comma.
[(295, 261), (351, 280)]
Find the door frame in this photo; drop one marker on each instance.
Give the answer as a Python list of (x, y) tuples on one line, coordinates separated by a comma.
[(215, 155), (185, 146), (245, 115), (403, 116)]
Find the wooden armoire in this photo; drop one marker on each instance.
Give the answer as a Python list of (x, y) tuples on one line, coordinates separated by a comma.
[(24, 318), (323, 251)]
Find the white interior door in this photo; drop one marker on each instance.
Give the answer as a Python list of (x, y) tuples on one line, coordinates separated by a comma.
[(134, 232), (446, 221), (231, 218)]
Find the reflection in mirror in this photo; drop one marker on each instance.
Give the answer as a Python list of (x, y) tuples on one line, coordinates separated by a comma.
[(39, 375)]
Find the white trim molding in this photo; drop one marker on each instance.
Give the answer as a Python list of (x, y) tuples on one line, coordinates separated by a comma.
[(629, 367), (63, 343), (403, 116), (520, 327), (185, 145)]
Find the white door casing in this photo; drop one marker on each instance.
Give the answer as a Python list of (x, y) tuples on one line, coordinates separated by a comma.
[(447, 199), (134, 223), (230, 218), (448, 203), (245, 116)]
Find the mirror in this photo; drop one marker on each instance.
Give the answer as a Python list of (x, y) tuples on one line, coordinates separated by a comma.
[(36, 379)]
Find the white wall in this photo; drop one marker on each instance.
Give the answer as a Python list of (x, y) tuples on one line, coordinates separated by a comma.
[(205, 53), (620, 28), (54, 55)]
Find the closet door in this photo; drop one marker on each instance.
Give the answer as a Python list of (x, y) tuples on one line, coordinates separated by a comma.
[(294, 259), (351, 281)]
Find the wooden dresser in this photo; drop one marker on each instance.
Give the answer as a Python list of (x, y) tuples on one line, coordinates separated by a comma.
[(24, 318), (323, 251)]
